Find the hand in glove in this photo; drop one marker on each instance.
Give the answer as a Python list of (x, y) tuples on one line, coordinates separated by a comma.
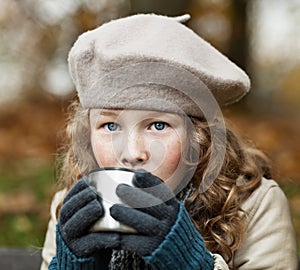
[(166, 237), (81, 208)]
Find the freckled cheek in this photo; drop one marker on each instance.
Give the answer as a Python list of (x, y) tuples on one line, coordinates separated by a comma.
[(171, 160), (104, 153)]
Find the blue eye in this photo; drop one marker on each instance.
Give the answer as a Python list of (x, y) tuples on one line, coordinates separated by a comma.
[(159, 126), (112, 126)]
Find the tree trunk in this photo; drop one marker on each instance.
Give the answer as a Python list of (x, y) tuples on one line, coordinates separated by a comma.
[(238, 48), (165, 7)]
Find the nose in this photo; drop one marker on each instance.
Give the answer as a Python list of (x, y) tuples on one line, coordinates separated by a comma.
[(135, 152)]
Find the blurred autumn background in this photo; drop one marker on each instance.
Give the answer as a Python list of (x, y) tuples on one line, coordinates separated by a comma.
[(261, 36)]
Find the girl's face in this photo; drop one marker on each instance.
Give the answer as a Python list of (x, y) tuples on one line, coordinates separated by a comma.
[(135, 139)]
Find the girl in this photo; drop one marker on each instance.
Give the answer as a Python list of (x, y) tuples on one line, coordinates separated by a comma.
[(149, 93)]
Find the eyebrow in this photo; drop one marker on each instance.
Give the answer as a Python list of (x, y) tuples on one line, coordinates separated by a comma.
[(108, 113)]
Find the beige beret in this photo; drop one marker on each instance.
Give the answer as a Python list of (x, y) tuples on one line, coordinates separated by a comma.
[(154, 62)]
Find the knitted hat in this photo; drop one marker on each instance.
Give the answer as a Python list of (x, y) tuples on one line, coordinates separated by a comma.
[(154, 62)]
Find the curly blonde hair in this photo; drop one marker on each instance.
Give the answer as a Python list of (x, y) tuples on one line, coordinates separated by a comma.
[(216, 213)]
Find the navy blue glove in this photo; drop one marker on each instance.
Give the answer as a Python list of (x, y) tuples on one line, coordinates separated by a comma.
[(81, 208), (77, 247), (166, 237)]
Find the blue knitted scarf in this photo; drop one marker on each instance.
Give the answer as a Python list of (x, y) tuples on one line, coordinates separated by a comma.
[(125, 260)]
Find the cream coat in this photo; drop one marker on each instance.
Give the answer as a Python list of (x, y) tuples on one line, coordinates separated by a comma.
[(270, 241)]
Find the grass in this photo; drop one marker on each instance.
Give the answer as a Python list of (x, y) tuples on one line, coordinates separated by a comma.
[(29, 174), (26, 189), (292, 192)]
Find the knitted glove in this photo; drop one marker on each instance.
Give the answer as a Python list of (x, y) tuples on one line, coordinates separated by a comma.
[(166, 237), (76, 244)]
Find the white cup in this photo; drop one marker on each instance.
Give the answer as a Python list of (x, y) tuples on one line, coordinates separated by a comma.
[(105, 181)]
